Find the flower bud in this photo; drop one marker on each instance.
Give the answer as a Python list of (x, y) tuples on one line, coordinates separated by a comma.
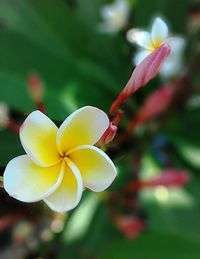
[(142, 74), (108, 135), (168, 178), (153, 106)]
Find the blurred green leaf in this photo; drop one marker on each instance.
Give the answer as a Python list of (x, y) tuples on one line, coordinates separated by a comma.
[(183, 132), (10, 146), (101, 231), (62, 46), (154, 246), (190, 152), (145, 11)]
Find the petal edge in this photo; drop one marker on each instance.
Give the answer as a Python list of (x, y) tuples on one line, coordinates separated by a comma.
[(84, 126), (38, 138), (27, 182), (96, 168), (69, 193)]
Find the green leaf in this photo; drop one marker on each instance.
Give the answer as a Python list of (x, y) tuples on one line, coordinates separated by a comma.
[(62, 47), (154, 246), (10, 146), (145, 11)]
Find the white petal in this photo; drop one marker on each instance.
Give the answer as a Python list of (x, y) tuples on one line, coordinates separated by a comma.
[(159, 31), (69, 193), (141, 38), (25, 181), (177, 45), (140, 56), (84, 126), (96, 168), (171, 67), (38, 137), (123, 6), (115, 16), (174, 63)]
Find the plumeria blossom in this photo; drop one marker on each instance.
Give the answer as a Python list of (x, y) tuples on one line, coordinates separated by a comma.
[(149, 42), (115, 16), (60, 163)]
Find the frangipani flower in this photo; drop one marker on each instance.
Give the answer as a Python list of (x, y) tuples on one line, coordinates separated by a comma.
[(149, 42), (115, 16), (60, 162)]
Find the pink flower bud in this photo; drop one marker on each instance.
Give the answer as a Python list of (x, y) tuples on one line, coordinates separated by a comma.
[(111, 131), (142, 74), (156, 103), (108, 135), (168, 178), (153, 106)]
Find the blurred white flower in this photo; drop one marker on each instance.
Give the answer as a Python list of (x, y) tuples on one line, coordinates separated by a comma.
[(149, 42), (174, 63), (3, 115), (115, 16)]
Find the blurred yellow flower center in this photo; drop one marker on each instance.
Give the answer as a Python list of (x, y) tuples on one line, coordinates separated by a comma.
[(156, 44)]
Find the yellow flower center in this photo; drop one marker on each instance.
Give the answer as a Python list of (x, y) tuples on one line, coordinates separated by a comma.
[(155, 45)]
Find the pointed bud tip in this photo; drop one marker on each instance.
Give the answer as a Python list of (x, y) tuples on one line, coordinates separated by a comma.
[(108, 135), (142, 74), (166, 47)]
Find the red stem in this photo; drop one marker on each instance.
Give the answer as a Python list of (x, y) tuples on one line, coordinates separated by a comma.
[(120, 99), (118, 118), (41, 107)]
